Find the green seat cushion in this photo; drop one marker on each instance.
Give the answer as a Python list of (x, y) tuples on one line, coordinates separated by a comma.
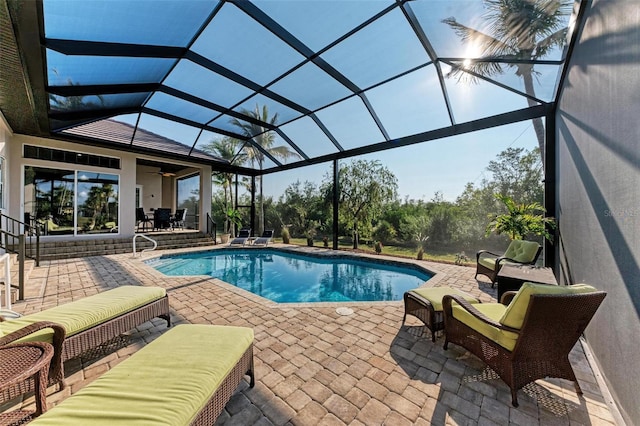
[(489, 262), (165, 383), (514, 315), (522, 251), (83, 314), (495, 311), (435, 294)]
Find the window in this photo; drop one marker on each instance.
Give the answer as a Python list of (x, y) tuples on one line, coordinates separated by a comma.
[(188, 197), (69, 202), (50, 154)]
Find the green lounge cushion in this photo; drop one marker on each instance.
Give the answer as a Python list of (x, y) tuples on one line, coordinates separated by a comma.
[(518, 250), (514, 315), (495, 311), (522, 251), (165, 383), (435, 294), (83, 314)]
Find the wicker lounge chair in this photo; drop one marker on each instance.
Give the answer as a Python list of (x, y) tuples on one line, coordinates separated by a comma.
[(184, 377), (264, 239), (243, 236), (529, 339), (85, 324), (519, 251)]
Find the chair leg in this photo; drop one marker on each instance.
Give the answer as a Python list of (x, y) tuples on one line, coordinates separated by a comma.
[(514, 398)]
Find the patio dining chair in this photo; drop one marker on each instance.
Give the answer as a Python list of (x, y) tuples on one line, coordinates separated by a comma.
[(519, 251), (142, 219), (527, 339), (177, 220)]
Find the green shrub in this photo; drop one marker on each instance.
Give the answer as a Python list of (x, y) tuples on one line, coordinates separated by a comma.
[(286, 238)]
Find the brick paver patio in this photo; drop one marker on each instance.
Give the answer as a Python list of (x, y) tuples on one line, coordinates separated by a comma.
[(317, 367)]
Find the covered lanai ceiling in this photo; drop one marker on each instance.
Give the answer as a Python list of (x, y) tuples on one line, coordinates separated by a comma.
[(325, 79)]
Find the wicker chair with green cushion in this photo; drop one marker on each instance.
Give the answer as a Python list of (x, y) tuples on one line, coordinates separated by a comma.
[(529, 339), (519, 251), (89, 322)]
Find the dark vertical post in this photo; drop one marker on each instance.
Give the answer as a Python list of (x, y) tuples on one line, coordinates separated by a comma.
[(21, 255), (336, 188), (253, 204), (550, 193)]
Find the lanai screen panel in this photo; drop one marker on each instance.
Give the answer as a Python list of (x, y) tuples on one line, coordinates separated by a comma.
[(295, 82)]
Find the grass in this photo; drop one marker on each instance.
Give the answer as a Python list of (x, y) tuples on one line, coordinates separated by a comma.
[(433, 255)]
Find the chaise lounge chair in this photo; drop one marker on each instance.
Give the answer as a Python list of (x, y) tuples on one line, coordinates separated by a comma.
[(529, 339), (85, 324), (264, 239), (243, 235), (184, 377)]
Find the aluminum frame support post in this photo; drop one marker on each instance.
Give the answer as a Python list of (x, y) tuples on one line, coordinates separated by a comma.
[(335, 202)]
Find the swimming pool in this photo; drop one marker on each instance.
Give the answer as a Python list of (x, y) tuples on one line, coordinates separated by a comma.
[(287, 277)]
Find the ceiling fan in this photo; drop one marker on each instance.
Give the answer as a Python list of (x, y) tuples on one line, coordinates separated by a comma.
[(163, 173)]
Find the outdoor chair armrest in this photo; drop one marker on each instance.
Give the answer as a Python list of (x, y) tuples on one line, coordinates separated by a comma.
[(507, 297), (446, 307), (508, 259), (485, 252), (58, 338)]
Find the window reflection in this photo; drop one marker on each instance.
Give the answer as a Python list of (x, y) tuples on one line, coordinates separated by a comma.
[(50, 198), (188, 197), (97, 202)]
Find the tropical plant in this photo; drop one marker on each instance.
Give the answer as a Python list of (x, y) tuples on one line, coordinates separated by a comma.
[(233, 217), (521, 31), (229, 149), (261, 140), (521, 220)]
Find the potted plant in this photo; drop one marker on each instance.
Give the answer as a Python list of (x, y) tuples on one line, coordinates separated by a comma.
[(232, 217), (378, 247), (521, 220), (286, 237)]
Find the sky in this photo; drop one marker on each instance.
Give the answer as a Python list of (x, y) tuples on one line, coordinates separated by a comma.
[(444, 165), (384, 84)]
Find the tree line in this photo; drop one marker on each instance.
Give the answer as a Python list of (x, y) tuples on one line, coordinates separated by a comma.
[(370, 209)]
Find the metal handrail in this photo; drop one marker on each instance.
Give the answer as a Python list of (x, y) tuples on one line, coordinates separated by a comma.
[(212, 229), (155, 244), (13, 227)]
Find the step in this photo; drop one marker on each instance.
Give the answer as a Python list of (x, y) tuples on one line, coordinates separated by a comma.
[(52, 250)]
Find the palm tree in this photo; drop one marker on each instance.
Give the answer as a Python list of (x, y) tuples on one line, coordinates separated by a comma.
[(524, 30), (228, 149), (264, 138)]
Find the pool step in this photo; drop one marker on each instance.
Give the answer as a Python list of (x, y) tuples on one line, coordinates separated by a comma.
[(51, 250)]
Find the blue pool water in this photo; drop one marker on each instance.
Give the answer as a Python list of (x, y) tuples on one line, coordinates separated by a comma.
[(288, 277)]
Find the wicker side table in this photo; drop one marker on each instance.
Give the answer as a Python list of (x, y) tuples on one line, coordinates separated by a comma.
[(18, 362), (426, 305)]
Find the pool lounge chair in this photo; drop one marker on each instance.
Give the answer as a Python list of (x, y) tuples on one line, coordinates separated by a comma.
[(86, 323), (184, 377), (264, 239), (243, 236)]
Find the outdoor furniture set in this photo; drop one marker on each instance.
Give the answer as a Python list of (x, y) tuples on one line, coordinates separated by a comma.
[(162, 219), (186, 376), (526, 337)]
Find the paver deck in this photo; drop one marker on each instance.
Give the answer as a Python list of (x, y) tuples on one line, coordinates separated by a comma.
[(317, 367)]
